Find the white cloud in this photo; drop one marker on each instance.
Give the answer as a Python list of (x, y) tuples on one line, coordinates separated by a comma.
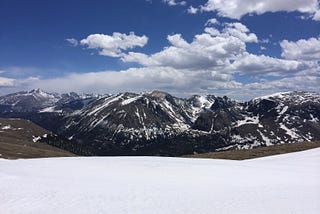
[(308, 80), (265, 41), (212, 31), (5, 82), (73, 41), (240, 31), (11, 85), (296, 83), (308, 50), (177, 41), (212, 21), (203, 52), (263, 48), (174, 2), (192, 10), (316, 16), (209, 63), (254, 64), (115, 44), (238, 8), (142, 79), (179, 82), (207, 51), (18, 83)]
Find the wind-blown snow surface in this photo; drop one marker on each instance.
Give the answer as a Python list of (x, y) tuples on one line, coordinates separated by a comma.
[(278, 184)]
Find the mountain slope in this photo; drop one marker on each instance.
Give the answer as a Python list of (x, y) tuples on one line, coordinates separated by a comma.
[(19, 139), (151, 123), (158, 123), (148, 123), (243, 154), (279, 118)]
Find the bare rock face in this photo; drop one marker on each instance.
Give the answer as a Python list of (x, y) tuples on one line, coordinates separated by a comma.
[(158, 123)]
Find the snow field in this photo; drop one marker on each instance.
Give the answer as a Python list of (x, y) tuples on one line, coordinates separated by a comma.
[(278, 184)]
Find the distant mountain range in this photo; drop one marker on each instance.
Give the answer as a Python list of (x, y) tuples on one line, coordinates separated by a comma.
[(158, 123)]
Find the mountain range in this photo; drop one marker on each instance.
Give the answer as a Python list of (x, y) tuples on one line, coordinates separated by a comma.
[(157, 123)]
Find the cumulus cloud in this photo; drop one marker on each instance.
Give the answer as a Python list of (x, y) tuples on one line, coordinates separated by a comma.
[(308, 50), (174, 2), (223, 51), (240, 31), (212, 31), (212, 21), (237, 8), (207, 50), (114, 45), (192, 10), (209, 63), (203, 52), (73, 42)]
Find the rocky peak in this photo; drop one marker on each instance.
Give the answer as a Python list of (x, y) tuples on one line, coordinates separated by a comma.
[(133, 123)]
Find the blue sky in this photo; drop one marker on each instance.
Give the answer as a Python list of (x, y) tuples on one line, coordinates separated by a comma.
[(183, 47)]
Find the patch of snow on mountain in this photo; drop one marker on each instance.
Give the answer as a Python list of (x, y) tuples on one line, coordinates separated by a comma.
[(39, 94), (173, 115), (98, 121), (248, 120), (205, 102), (289, 132), (242, 142), (279, 95), (36, 138), (50, 109), (107, 102), (265, 139), (130, 100), (201, 103), (283, 110), (7, 127), (314, 119)]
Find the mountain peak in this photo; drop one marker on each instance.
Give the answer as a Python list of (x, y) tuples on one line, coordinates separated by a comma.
[(159, 123), (159, 94)]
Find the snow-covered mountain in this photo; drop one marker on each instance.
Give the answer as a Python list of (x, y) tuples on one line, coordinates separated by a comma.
[(160, 124), (38, 100), (28, 101)]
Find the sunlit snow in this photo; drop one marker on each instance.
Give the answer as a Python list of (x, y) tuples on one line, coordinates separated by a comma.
[(137, 185)]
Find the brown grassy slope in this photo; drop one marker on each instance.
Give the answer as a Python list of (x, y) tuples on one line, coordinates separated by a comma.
[(17, 141), (258, 152)]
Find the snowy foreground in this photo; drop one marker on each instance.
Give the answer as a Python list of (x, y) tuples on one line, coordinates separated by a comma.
[(136, 185)]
